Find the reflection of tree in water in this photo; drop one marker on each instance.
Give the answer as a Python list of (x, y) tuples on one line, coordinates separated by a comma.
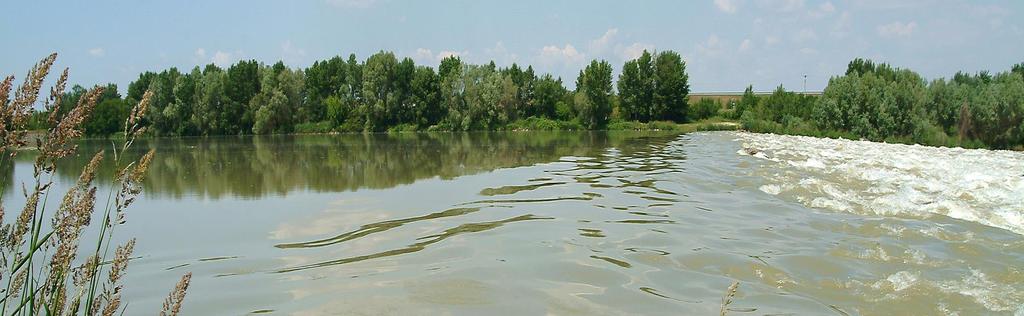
[(6, 172), (255, 166)]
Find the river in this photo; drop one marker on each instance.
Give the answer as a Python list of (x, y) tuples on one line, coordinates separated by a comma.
[(585, 223)]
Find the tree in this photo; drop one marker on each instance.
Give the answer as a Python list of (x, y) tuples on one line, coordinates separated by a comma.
[(670, 87), (181, 110), (747, 103), (109, 114), (450, 73), (654, 87), (401, 110), (323, 79), (548, 91), (378, 89), (241, 85), (630, 90), (426, 97), (594, 94), (278, 101), (211, 99)]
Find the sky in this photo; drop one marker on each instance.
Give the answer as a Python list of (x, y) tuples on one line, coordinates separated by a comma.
[(727, 44)]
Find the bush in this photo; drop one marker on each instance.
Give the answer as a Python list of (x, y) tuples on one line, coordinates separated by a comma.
[(704, 108), (313, 128), (543, 124), (926, 133), (403, 128)]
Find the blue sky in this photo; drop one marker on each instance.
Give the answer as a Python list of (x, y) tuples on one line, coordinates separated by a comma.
[(727, 44)]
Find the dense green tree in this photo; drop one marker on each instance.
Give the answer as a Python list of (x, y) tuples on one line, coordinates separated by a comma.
[(630, 107), (278, 100), (747, 102), (637, 88), (548, 92), (242, 84), (401, 111), (109, 114), (378, 89), (210, 101), (426, 97), (594, 94), (181, 110), (138, 87), (671, 87), (450, 73), (323, 79), (107, 118)]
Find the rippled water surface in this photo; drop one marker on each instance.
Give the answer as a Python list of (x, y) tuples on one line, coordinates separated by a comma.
[(573, 223)]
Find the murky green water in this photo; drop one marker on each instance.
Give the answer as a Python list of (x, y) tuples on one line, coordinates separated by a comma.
[(530, 223)]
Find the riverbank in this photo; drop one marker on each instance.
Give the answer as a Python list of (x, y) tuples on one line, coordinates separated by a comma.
[(533, 124)]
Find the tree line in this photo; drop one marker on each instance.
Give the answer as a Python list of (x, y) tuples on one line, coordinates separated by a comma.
[(879, 102), (385, 93)]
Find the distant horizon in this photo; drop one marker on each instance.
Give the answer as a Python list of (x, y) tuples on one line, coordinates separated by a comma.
[(727, 44)]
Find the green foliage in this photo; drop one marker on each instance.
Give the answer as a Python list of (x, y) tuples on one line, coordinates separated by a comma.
[(593, 94), (314, 127), (547, 95), (705, 108), (535, 123), (383, 92), (671, 87), (426, 97), (747, 103), (107, 118), (654, 88), (883, 103), (322, 81), (403, 128), (636, 88)]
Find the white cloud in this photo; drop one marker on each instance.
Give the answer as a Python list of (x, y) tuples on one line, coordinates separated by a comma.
[(770, 40), (223, 59), (97, 52), (291, 54), (897, 29), (362, 4), (745, 45), (201, 53), (635, 50), (602, 43), (423, 54), (449, 53), (427, 56), (500, 54), (567, 55), (713, 46), (727, 6)]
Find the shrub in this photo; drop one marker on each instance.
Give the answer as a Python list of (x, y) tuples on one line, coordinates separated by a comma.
[(313, 128), (704, 108)]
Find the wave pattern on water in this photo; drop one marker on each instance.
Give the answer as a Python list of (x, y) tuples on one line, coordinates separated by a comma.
[(647, 225), (869, 178)]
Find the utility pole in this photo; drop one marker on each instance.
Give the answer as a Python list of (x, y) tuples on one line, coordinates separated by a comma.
[(805, 83)]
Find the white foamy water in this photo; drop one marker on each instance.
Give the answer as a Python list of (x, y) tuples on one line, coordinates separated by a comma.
[(870, 178)]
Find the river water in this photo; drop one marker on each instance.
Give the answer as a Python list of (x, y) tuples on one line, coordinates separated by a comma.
[(571, 224)]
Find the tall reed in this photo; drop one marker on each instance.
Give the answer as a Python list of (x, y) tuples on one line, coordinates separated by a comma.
[(40, 268)]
